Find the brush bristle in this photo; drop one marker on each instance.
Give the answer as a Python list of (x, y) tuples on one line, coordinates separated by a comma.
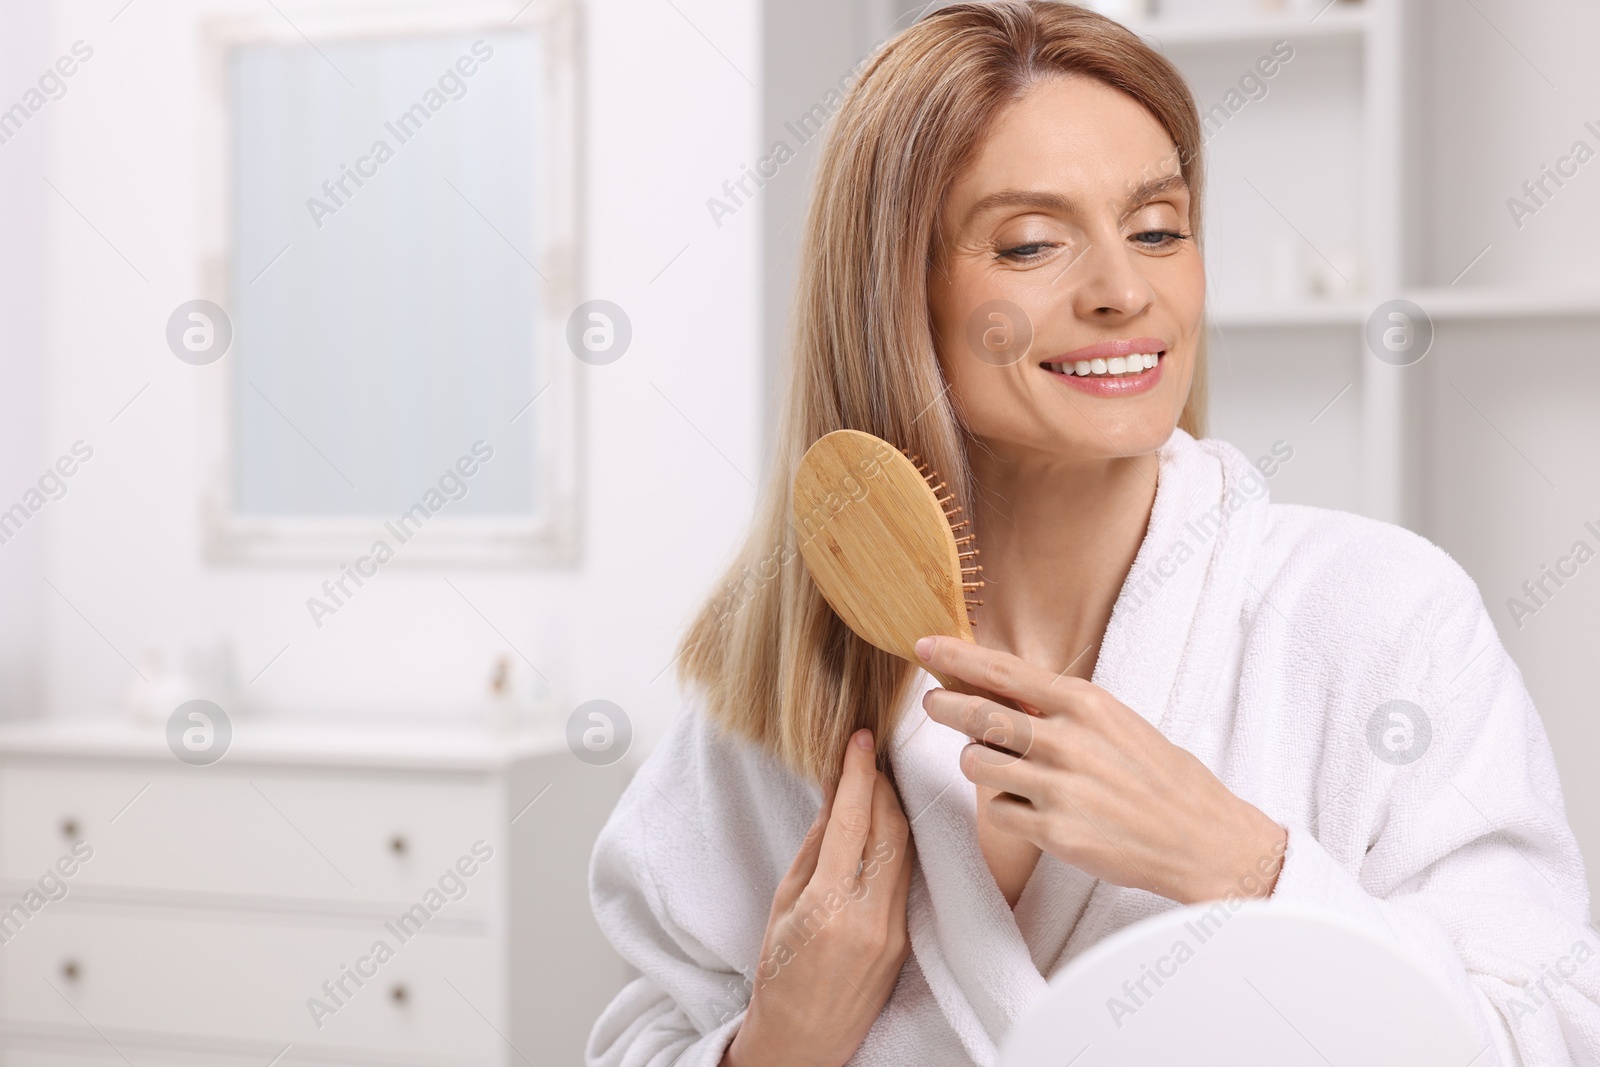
[(934, 483)]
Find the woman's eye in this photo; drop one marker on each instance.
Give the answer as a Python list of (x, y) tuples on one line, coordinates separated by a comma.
[(1022, 253), (1158, 238)]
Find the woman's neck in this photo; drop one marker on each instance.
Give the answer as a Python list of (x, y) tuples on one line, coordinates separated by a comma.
[(1057, 541)]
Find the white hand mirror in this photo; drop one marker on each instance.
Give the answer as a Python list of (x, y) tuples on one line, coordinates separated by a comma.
[(1266, 983)]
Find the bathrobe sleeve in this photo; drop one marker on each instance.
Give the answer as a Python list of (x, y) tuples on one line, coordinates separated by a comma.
[(1445, 829), (681, 881), (686, 1005)]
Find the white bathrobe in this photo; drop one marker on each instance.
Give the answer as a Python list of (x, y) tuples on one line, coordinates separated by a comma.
[(1264, 638)]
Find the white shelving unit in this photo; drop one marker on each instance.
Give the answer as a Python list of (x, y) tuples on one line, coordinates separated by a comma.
[(1309, 216)]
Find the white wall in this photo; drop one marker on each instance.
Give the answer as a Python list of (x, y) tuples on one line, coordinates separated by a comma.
[(667, 488), (1506, 89), (23, 271)]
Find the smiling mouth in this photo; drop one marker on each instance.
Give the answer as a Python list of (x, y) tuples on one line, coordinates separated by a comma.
[(1128, 366)]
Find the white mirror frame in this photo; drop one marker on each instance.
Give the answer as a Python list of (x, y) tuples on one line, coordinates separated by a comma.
[(550, 536)]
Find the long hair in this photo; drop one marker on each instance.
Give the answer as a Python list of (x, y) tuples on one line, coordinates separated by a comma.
[(773, 662)]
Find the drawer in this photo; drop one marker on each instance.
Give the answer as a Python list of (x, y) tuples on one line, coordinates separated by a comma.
[(309, 835), (143, 977)]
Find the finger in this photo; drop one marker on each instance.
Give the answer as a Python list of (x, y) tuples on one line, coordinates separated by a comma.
[(1000, 673), (1012, 815), (1001, 770), (907, 864), (886, 844), (901, 894), (902, 885), (983, 720), (845, 838), (829, 789)]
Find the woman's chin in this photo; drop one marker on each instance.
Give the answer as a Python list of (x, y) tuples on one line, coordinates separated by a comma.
[(1098, 438)]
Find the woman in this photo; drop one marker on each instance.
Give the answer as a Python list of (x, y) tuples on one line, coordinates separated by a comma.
[(1002, 272)]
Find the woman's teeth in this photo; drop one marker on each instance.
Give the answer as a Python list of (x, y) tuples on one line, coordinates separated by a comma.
[(1137, 363)]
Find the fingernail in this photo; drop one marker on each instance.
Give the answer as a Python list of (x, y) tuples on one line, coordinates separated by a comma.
[(864, 739), (925, 647)]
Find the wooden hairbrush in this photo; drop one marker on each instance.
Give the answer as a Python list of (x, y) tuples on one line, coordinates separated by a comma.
[(883, 543)]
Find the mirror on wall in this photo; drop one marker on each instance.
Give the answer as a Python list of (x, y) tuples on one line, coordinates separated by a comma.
[(392, 264)]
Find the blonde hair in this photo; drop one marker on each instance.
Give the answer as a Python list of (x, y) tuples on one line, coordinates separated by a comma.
[(775, 665)]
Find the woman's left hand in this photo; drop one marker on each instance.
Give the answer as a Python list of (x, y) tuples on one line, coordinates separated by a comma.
[(1088, 780)]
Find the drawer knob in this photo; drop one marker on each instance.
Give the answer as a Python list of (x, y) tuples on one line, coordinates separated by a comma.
[(69, 828), (399, 994), (398, 844), (70, 970)]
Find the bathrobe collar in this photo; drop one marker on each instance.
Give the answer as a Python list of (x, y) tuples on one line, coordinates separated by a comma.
[(985, 963)]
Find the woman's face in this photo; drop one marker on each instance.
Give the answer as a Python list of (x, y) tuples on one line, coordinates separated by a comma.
[(1067, 248)]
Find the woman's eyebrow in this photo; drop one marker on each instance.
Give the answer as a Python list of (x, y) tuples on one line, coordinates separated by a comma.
[(1155, 188), (1053, 202), (1143, 193)]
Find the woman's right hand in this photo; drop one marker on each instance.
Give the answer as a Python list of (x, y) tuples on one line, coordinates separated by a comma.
[(836, 939)]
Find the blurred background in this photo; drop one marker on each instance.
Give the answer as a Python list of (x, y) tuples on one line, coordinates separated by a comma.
[(383, 386)]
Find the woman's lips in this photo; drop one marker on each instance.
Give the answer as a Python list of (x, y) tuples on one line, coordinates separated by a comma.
[(1111, 368), (1108, 349), (1125, 384)]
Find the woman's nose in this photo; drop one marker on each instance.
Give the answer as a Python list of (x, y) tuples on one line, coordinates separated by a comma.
[(1107, 283)]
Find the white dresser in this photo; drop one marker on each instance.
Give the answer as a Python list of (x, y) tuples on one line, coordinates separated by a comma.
[(317, 896)]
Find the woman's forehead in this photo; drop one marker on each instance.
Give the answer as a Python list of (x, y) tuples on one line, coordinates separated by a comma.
[(1064, 135)]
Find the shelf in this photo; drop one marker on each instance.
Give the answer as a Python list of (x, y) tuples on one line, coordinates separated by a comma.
[(1339, 21), (256, 741), (1505, 302), (1490, 302)]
